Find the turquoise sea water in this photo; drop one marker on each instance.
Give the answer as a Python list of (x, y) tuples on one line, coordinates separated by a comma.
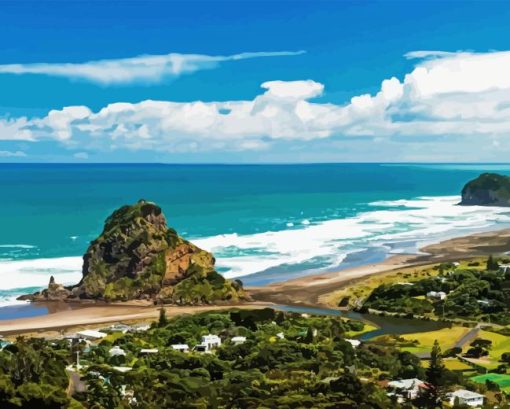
[(263, 223)]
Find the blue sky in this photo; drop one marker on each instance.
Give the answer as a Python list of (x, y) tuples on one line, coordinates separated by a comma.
[(214, 110)]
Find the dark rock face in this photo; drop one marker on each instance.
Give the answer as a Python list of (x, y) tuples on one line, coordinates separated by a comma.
[(138, 257), (488, 189)]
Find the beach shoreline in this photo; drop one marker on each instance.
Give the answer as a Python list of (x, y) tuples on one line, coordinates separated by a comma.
[(309, 290)]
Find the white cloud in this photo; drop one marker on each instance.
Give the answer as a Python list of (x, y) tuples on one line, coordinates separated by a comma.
[(81, 155), (15, 129), (9, 154), (444, 97), (145, 68)]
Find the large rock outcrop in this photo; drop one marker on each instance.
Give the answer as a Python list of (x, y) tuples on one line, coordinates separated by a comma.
[(488, 189), (138, 257)]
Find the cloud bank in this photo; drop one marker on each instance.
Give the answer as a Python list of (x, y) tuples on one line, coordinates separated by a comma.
[(146, 68), (445, 96)]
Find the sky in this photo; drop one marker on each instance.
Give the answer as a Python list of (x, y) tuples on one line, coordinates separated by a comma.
[(254, 82)]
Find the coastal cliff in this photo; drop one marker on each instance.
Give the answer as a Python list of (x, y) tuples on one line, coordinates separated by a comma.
[(488, 189), (138, 257)]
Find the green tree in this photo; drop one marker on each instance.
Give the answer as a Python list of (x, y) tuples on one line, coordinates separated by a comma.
[(492, 264), (163, 320), (435, 376)]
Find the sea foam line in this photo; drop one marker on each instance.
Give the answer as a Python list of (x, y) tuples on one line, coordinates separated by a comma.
[(422, 219)]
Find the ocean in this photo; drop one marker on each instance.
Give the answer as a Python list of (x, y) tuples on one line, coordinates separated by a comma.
[(264, 223)]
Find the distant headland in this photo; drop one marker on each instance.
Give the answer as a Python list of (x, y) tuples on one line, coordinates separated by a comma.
[(488, 189)]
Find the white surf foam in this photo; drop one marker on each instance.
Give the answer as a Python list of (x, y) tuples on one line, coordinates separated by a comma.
[(422, 219), (37, 272)]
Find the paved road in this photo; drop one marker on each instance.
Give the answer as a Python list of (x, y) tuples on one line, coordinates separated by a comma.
[(468, 337)]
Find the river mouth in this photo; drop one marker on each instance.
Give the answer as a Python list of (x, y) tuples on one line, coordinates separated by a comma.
[(385, 325)]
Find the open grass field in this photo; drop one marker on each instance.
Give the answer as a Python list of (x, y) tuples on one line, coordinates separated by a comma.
[(354, 334), (501, 379), (500, 344), (447, 337)]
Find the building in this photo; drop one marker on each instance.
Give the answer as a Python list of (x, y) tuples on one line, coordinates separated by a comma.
[(408, 389), (238, 340), (117, 351), (91, 334), (149, 351), (180, 347), (119, 328), (436, 295), (140, 328), (211, 341), (281, 335), (465, 397), (504, 268)]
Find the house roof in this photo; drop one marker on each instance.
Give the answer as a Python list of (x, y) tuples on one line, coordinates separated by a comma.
[(406, 383), (465, 394), (91, 333)]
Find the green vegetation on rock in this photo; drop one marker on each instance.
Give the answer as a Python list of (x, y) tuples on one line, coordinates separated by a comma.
[(488, 189), (138, 257)]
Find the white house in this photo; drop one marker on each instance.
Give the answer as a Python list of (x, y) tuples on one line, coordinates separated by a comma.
[(91, 334), (466, 397), (354, 342), (436, 295), (140, 328), (238, 340), (117, 351), (281, 335), (180, 347), (149, 351), (407, 388), (119, 328), (122, 369), (211, 341), (504, 268)]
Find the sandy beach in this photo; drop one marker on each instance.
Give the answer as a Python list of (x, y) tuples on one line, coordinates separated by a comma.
[(302, 291), (310, 289), (66, 320)]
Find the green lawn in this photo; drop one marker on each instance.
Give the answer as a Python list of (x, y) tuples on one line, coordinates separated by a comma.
[(446, 338), (366, 328), (501, 379), (500, 344)]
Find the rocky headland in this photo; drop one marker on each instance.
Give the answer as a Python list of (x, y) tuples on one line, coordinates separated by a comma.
[(488, 189), (137, 256)]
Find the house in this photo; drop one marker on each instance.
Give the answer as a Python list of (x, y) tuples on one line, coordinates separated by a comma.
[(354, 342), (504, 268), (238, 340), (117, 351), (456, 264), (180, 347), (119, 328), (74, 339), (465, 397), (139, 328), (436, 295), (407, 388), (149, 351), (211, 341), (280, 335), (91, 334), (122, 369)]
